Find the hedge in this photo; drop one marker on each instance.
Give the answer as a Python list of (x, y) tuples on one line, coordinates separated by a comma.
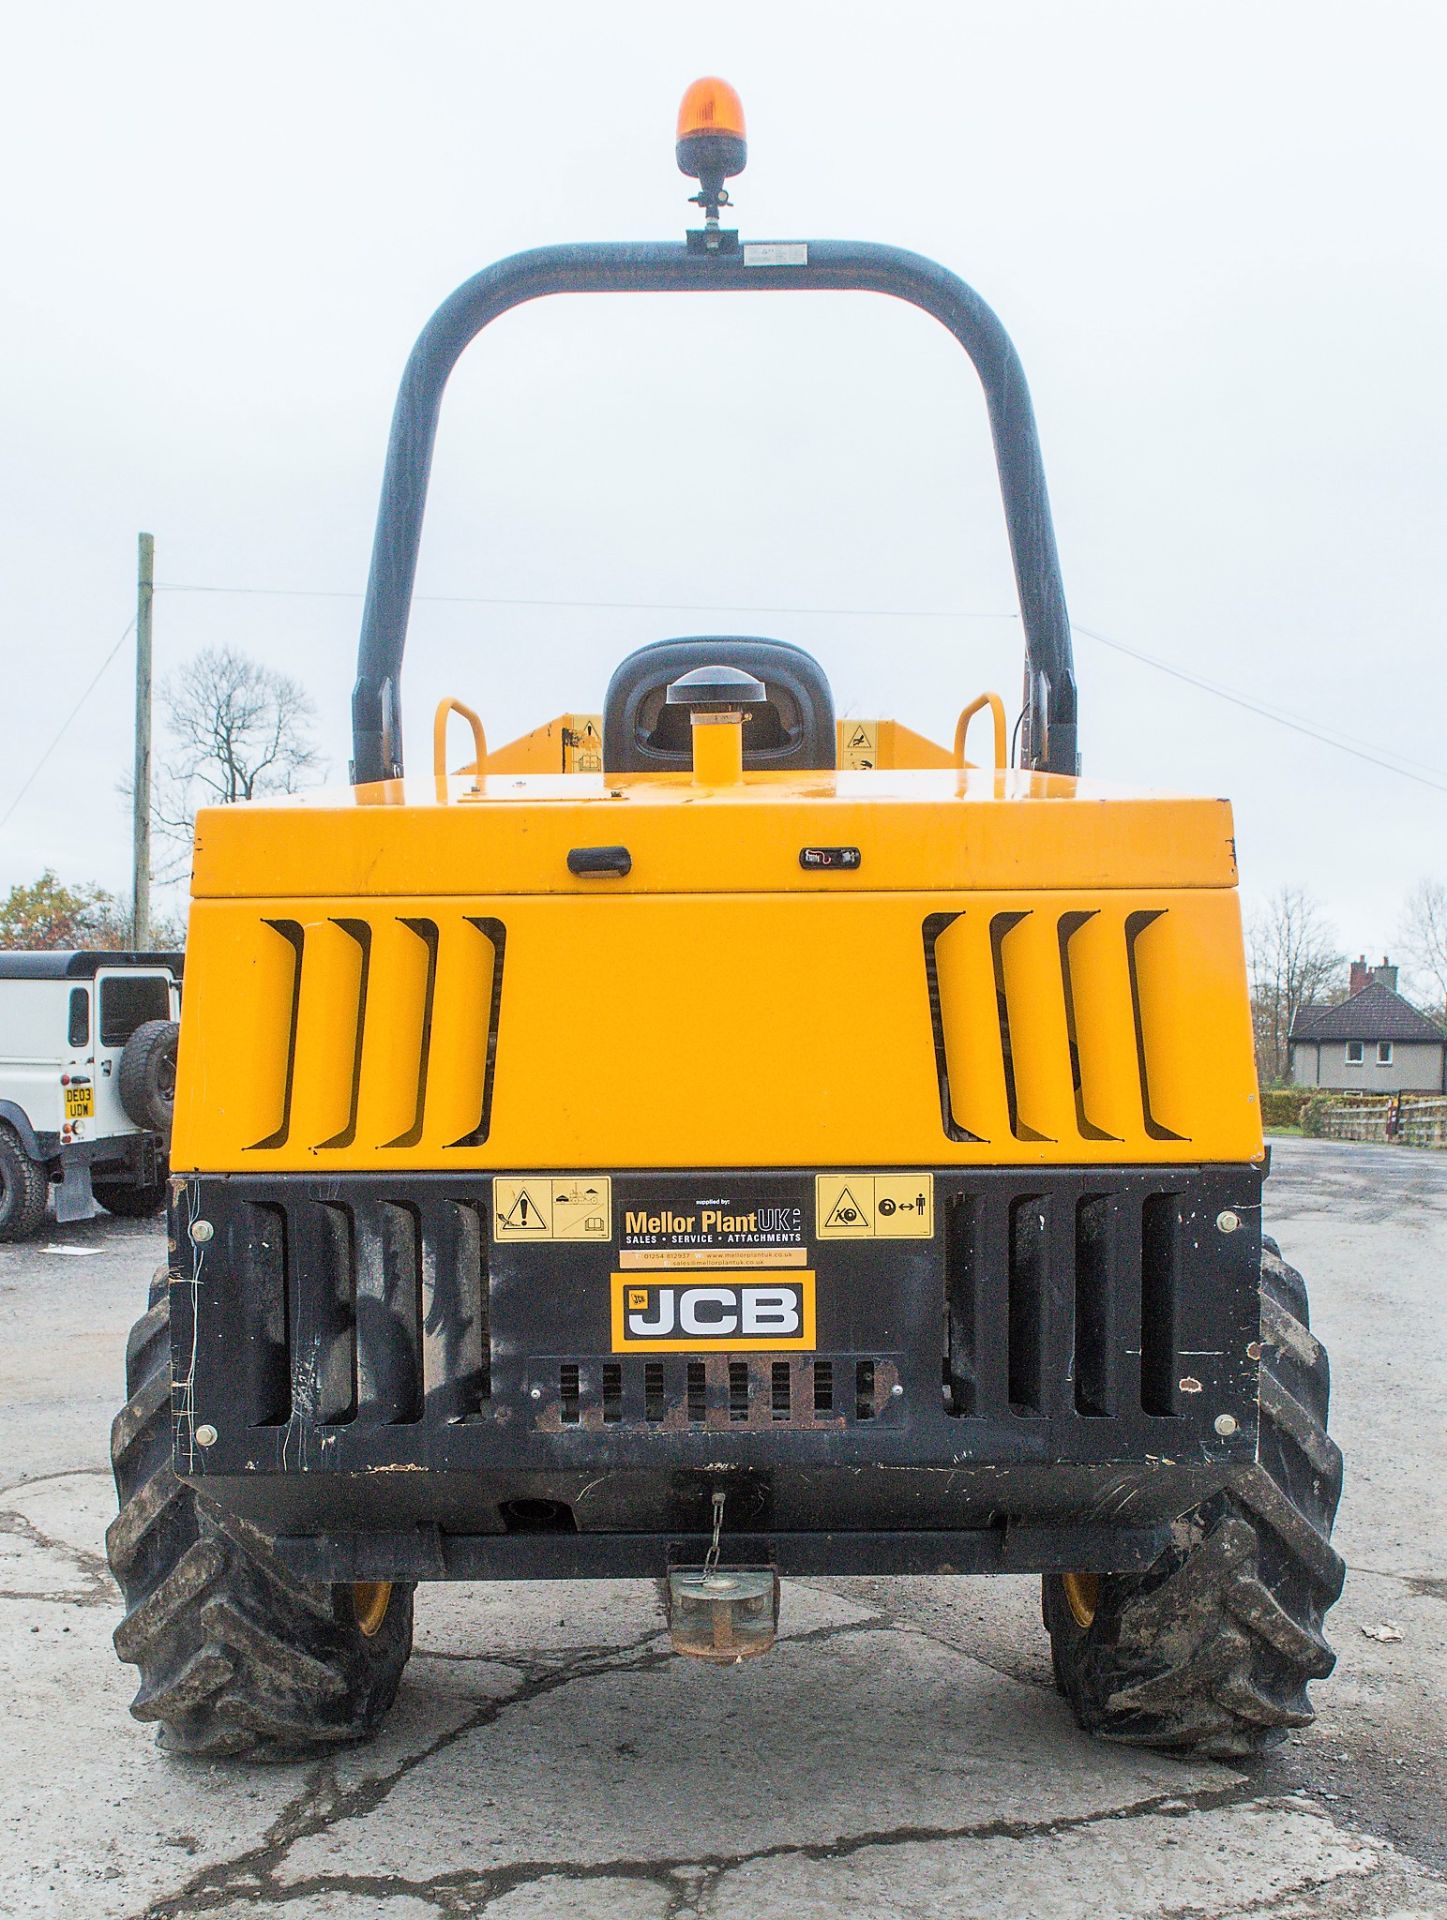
[(1282, 1106)]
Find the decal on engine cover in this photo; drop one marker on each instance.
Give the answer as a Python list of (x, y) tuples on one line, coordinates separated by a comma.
[(583, 743), (874, 1206), (539, 1207), (744, 1311), (859, 742), (726, 1227)]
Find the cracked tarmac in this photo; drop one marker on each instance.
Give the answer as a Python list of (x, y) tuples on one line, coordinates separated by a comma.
[(902, 1752)]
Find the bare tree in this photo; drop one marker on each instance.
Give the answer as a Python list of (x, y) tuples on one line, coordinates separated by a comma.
[(236, 730), (1293, 959), (1424, 938)]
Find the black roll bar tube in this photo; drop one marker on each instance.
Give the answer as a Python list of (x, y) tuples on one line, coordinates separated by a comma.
[(1048, 737)]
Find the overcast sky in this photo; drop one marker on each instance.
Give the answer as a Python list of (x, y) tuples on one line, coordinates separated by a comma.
[(1215, 232)]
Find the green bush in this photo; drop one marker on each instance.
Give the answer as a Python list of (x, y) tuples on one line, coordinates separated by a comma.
[(1312, 1113), (1282, 1106)]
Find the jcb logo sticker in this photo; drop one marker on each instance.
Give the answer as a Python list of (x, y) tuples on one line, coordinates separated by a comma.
[(765, 1312)]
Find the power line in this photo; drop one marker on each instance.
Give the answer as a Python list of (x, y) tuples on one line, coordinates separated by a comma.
[(1277, 715), (1385, 758), (1241, 699), (65, 724), (626, 606)]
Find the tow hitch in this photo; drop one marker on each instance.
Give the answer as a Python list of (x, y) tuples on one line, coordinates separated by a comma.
[(722, 1613)]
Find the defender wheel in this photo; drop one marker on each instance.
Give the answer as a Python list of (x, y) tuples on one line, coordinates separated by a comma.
[(237, 1656), (1211, 1649), (146, 1077), (128, 1201), (24, 1189)]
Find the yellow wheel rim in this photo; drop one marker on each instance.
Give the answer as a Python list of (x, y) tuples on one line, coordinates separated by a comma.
[(371, 1599), (1082, 1596)]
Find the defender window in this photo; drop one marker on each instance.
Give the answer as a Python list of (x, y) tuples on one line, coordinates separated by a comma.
[(1356, 1052), (78, 1033), (127, 1001)]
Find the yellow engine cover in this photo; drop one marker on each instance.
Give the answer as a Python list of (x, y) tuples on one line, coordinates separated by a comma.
[(1021, 968)]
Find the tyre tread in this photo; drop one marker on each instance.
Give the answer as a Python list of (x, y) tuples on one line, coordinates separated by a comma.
[(235, 1654), (135, 1077), (1212, 1648), (31, 1184)]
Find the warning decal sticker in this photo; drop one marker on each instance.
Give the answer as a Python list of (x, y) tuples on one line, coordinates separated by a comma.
[(539, 1207), (858, 744), (583, 743), (874, 1206)]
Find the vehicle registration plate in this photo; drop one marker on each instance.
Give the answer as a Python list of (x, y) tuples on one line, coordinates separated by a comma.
[(79, 1103)]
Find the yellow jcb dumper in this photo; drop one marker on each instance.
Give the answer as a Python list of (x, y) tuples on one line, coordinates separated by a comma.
[(706, 1141)]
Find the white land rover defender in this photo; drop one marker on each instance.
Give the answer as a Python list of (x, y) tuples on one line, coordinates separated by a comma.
[(87, 1081)]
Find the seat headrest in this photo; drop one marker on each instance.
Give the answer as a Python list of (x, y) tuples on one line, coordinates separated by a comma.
[(792, 727)]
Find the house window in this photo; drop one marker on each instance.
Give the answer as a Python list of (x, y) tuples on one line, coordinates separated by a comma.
[(1384, 1053), (1356, 1052)]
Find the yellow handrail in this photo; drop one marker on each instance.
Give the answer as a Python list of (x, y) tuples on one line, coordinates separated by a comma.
[(962, 728), (439, 737)]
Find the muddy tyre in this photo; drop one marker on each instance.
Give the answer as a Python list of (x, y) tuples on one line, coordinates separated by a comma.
[(236, 1655), (1211, 1649), (24, 1189)]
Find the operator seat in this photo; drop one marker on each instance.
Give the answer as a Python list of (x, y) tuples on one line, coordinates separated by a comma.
[(792, 727)]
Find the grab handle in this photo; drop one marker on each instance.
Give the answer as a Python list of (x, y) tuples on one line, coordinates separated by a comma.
[(439, 737), (962, 728)]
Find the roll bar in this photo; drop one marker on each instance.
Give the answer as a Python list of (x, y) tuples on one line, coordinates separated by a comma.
[(1048, 739)]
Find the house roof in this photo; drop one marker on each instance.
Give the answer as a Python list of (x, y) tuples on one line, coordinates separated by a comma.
[(1376, 1013)]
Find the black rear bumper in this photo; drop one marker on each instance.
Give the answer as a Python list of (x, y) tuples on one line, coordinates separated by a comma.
[(368, 1370)]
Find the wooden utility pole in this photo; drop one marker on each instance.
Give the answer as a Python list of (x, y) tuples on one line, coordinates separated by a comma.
[(141, 786)]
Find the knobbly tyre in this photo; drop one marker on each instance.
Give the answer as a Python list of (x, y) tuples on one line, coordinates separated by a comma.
[(706, 1140)]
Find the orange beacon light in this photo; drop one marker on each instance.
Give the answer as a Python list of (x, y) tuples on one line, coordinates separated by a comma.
[(711, 145)]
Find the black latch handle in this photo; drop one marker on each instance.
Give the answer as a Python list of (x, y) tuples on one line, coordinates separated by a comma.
[(590, 860)]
